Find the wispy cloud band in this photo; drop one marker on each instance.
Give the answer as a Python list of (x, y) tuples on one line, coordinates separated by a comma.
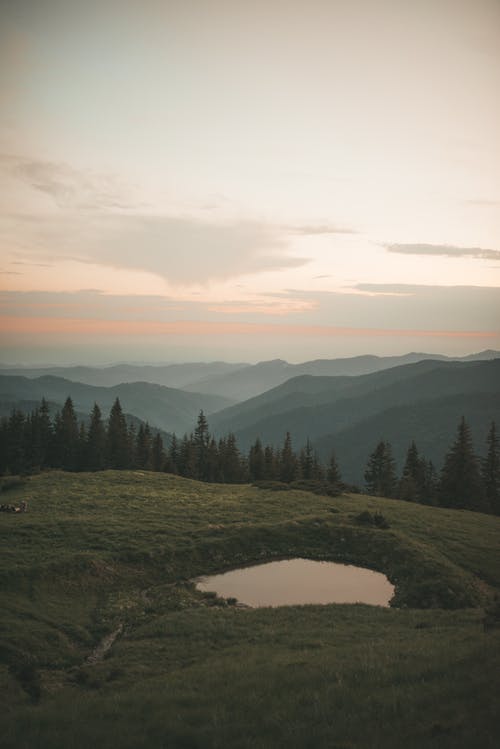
[(445, 250)]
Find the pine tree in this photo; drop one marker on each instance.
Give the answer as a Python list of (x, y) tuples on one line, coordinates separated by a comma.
[(333, 474), (414, 482), (45, 432), (187, 458), (490, 471), (67, 437), (172, 458), (157, 453), (380, 475), (143, 448), (213, 467), (288, 461), (96, 441), (306, 462), (201, 441), (460, 483), (231, 463), (429, 483), (256, 462), (117, 439), (271, 470)]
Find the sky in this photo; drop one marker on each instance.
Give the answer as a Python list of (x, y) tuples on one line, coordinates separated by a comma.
[(186, 180)]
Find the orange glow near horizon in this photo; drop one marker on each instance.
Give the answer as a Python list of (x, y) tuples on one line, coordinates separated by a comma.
[(14, 326)]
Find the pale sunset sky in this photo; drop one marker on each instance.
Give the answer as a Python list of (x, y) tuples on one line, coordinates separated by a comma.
[(223, 179)]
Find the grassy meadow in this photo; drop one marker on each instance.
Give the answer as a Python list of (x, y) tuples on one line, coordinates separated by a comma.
[(112, 555)]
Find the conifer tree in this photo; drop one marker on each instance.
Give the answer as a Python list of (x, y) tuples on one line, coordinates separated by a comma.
[(96, 441), (270, 464), (306, 462), (490, 471), (67, 437), (157, 453), (172, 457), (333, 473), (414, 482), (117, 439), (380, 475), (201, 441), (256, 461), (460, 483), (231, 463), (188, 464), (44, 432), (143, 448), (288, 461)]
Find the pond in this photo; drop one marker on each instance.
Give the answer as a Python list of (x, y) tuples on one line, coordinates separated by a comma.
[(296, 581)]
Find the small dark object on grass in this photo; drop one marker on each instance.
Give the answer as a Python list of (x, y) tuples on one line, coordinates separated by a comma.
[(23, 507)]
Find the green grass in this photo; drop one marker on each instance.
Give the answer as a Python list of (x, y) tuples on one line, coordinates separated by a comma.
[(96, 551)]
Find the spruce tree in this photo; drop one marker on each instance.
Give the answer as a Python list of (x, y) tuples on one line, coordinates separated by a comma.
[(96, 441), (270, 464), (143, 448), (333, 474), (380, 474), (157, 461), (172, 458), (412, 485), (460, 482), (117, 439), (288, 461), (67, 437), (201, 441), (490, 471), (231, 463), (306, 462), (256, 462)]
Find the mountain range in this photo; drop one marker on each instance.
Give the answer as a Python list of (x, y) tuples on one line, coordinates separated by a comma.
[(165, 408), (236, 381), (422, 401), (348, 414)]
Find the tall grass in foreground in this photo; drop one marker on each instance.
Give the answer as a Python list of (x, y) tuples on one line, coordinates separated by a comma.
[(99, 550)]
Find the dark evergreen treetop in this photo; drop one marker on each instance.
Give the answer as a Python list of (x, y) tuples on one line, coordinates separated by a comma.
[(490, 471), (460, 481)]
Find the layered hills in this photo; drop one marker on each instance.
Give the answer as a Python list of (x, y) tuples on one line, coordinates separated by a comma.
[(421, 401), (166, 408)]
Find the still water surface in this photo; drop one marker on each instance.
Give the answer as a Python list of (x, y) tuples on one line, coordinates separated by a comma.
[(296, 581)]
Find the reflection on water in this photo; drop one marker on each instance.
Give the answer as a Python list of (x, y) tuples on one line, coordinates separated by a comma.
[(298, 581)]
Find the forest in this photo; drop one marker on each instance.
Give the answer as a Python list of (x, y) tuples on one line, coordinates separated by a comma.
[(34, 442)]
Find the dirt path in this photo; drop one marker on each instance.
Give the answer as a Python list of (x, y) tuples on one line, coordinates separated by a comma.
[(105, 644)]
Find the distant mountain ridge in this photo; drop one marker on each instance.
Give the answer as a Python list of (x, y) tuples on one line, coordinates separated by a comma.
[(169, 375), (255, 379), (236, 381), (349, 414), (165, 408)]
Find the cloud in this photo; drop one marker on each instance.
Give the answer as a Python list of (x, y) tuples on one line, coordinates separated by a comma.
[(313, 229), (98, 223), (181, 250), (66, 186), (444, 250)]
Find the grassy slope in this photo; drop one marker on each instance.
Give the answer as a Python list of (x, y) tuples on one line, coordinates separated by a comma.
[(97, 551)]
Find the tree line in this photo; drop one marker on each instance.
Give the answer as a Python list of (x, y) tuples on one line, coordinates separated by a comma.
[(465, 480), (33, 442)]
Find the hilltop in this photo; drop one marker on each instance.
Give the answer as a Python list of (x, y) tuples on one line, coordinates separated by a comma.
[(112, 554)]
